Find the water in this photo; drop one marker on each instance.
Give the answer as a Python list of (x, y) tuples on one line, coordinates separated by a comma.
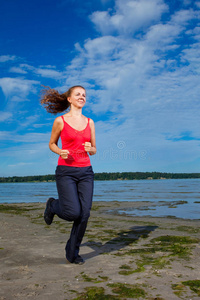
[(167, 191)]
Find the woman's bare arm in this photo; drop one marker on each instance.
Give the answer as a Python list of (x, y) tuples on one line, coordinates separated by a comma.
[(55, 134), (93, 148)]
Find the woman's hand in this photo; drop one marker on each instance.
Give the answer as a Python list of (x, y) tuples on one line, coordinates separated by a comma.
[(64, 154), (87, 146)]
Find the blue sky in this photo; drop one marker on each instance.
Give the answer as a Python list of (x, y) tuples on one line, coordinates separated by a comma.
[(139, 61)]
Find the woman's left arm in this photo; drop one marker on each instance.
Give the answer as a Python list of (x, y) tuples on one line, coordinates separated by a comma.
[(93, 149), (90, 147)]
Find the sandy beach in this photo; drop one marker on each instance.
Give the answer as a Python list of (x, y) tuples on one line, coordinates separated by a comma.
[(125, 257)]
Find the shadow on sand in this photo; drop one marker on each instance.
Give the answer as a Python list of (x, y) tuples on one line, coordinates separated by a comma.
[(123, 239)]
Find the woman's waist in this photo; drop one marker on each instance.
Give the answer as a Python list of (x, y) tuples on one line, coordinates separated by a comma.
[(75, 151), (76, 160)]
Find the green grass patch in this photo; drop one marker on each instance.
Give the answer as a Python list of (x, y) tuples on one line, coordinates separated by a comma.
[(87, 278), (187, 229), (96, 207), (104, 278), (14, 209), (171, 239), (179, 289), (158, 253), (126, 270), (194, 285), (98, 226), (127, 290), (180, 246), (156, 263), (122, 291), (125, 267), (95, 293)]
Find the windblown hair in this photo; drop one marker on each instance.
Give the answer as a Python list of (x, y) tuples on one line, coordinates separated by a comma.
[(55, 102)]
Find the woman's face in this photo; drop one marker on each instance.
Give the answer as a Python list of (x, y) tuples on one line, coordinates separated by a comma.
[(77, 97)]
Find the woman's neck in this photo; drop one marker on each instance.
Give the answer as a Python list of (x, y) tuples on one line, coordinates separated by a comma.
[(75, 112)]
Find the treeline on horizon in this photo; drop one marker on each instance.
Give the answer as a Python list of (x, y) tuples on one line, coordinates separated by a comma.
[(106, 176)]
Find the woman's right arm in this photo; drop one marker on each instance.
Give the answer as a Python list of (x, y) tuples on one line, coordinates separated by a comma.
[(55, 134)]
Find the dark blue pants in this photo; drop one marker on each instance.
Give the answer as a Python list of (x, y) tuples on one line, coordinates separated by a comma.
[(75, 191)]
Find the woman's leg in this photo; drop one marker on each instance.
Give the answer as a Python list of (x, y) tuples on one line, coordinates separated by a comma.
[(75, 190), (85, 193), (67, 207)]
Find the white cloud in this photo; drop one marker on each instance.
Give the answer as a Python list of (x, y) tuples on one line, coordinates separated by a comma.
[(142, 74), (197, 3), (5, 58), (103, 46), (182, 17), (20, 164), (3, 135), (48, 73), (17, 87), (32, 137), (17, 70), (149, 82), (5, 116), (27, 159), (117, 63), (41, 125), (47, 66), (129, 16)]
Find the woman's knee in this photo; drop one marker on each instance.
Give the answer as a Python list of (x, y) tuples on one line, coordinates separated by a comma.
[(70, 215), (85, 215)]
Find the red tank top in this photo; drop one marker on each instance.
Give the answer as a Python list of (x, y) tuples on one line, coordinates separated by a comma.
[(73, 140)]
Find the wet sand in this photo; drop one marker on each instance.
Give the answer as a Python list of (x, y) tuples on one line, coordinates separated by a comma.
[(125, 257)]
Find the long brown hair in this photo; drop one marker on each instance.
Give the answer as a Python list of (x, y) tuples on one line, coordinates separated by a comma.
[(55, 102)]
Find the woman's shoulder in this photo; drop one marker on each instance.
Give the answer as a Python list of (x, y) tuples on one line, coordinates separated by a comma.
[(91, 123), (58, 123), (58, 120), (88, 119)]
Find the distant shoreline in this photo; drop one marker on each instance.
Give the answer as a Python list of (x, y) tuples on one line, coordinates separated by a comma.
[(107, 176)]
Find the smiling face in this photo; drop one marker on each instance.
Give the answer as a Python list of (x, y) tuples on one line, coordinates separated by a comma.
[(77, 97)]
